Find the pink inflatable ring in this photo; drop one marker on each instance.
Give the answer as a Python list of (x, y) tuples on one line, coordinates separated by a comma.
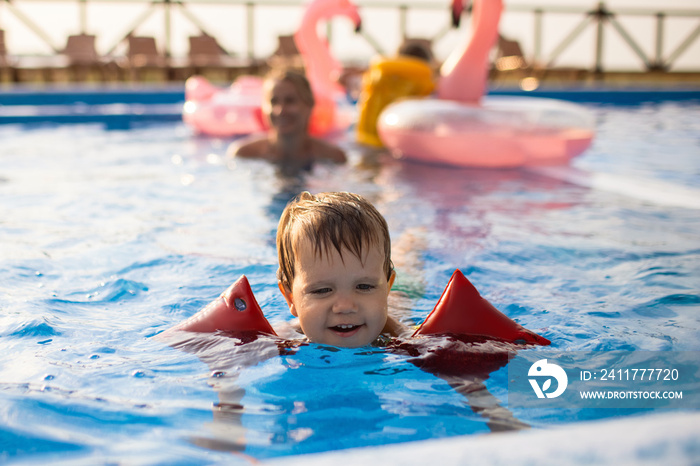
[(498, 132)]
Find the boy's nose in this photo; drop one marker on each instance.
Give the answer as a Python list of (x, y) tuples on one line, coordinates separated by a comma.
[(344, 305)]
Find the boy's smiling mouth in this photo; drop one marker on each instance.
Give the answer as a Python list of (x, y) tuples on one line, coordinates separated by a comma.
[(345, 329)]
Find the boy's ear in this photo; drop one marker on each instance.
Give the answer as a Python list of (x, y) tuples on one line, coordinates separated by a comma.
[(391, 279), (287, 293)]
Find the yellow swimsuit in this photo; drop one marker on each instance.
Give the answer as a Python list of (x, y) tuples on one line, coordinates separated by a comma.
[(387, 80)]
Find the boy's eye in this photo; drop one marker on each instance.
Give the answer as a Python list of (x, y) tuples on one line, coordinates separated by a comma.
[(321, 291), (365, 286)]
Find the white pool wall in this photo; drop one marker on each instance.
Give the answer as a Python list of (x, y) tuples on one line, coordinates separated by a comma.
[(655, 439)]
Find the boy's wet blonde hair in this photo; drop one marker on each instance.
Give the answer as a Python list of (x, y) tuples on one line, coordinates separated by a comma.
[(330, 220)]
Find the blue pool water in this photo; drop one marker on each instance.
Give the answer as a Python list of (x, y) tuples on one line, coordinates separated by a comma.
[(111, 236)]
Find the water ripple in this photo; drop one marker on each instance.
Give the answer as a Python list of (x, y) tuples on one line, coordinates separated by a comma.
[(33, 328), (108, 292), (662, 307)]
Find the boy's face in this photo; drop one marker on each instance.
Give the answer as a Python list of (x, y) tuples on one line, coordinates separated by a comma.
[(339, 301), (284, 108)]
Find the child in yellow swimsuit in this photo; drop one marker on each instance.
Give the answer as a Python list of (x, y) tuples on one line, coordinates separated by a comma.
[(390, 79)]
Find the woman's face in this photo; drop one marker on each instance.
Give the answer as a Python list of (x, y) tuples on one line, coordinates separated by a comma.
[(284, 109)]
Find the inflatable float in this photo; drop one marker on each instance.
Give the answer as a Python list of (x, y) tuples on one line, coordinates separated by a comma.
[(220, 112), (322, 70), (499, 132), (387, 80), (460, 311), (462, 129), (236, 110)]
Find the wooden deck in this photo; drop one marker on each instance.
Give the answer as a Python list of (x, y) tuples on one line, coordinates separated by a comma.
[(59, 70)]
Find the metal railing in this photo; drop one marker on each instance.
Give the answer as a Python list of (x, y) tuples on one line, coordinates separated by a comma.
[(601, 16), (542, 48)]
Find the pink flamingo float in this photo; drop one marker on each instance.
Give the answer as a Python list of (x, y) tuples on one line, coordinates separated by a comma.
[(462, 128), (236, 110), (322, 69), (226, 112)]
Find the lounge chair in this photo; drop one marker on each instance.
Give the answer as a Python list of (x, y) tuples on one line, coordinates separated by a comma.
[(83, 59), (142, 56)]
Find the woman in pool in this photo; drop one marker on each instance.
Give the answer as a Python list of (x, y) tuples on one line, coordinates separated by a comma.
[(287, 104)]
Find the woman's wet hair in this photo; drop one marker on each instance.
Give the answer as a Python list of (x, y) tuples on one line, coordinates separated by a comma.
[(339, 220), (296, 79)]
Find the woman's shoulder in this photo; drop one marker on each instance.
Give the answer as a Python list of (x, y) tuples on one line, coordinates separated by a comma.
[(261, 147), (250, 147), (324, 150)]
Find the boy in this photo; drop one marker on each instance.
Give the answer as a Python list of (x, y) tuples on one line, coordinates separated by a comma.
[(335, 268), (335, 272)]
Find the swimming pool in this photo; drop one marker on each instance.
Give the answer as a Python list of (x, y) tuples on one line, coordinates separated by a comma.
[(111, 236)]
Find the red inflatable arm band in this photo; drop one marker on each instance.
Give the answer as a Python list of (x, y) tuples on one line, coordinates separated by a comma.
[(462, 310), (235, 310)]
